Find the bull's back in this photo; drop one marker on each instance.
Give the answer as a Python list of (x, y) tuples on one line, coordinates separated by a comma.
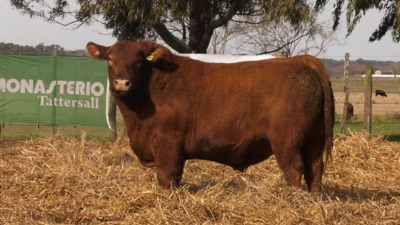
[(256, 87)]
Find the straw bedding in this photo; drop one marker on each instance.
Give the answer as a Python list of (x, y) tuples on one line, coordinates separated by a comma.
[(62, 181)]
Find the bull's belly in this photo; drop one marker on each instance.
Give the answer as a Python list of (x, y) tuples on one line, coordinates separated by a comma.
[(238, 156)]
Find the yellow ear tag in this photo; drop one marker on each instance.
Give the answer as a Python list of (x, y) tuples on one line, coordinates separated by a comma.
[(150, 57), (97, 53)]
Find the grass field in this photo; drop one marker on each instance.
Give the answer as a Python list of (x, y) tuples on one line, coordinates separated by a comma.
[(356, 84)]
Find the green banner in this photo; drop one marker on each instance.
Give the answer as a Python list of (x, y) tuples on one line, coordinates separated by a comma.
[(53, 90)]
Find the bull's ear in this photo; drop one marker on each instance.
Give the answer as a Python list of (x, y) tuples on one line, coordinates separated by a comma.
[(155, 52), (97, 51)]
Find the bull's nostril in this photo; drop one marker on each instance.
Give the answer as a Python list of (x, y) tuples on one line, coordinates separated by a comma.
[(128, 83)]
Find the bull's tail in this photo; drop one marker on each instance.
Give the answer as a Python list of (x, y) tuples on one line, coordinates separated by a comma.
[(329, 107)]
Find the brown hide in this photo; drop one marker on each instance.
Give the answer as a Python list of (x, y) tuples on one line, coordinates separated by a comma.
[(239, 114), (350, 110)]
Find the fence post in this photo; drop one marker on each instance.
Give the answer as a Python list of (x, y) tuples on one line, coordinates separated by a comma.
[(347, 91), (54, 127), (123, 129), (1, 126), (112, 117), (368, 100)]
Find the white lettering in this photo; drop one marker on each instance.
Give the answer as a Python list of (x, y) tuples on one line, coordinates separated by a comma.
[(39, 87), (42, 98), (92, 102), (93, 89), (49, 102), (61, 102), (3, 84), (16, 85), (87, 88), (65, 87), (26, 86), (51, 88), (80, 88), (70, 87), (61, 83)]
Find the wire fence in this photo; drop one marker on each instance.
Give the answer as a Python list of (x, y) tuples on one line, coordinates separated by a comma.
[(28, 131)]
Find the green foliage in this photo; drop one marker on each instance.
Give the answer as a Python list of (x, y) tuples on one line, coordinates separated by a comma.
[(357, 8), (40, 49), (332, 62), (185, 25)]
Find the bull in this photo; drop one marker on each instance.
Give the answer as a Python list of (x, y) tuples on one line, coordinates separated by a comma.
[(176, 108)]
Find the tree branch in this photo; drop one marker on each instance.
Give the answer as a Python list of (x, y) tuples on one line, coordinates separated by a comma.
[(170, 39), (205, 40), (288, 43)]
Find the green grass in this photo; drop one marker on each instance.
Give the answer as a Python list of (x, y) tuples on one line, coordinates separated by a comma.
[(356, 84), (391, 131)]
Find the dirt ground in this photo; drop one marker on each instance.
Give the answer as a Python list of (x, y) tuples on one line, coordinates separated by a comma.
[(380, 105)]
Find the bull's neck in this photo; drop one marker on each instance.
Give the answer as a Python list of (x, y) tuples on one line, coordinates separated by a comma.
[(131, 115)]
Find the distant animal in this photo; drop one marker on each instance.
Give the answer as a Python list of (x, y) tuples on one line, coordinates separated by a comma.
[(380, 92), (176, 108), (350, 111)]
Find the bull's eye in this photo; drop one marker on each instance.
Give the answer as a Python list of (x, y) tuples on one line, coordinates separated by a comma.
[(110, 62)]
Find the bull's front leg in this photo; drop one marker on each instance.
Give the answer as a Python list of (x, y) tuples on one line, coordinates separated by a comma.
[(169, 161)]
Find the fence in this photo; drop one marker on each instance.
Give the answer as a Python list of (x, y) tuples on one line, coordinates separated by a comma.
[(374, 100)]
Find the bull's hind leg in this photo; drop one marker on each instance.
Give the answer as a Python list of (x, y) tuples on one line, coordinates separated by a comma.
[(312, 153), (289, 160)]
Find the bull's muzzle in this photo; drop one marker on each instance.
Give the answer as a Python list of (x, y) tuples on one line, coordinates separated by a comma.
[(122, 85)]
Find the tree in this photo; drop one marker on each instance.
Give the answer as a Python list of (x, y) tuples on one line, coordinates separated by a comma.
[(357, 8), (194, 20), (40, 49), (262, 37)]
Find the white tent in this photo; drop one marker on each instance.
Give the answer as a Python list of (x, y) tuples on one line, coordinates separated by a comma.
[(215, 58)]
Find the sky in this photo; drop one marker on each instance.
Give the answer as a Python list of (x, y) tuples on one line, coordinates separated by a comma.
[(21, 29)]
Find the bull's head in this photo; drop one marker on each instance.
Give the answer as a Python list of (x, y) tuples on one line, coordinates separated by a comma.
[(129, 63)]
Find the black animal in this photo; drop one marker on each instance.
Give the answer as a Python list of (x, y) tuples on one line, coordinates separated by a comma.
[(380, 92)]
